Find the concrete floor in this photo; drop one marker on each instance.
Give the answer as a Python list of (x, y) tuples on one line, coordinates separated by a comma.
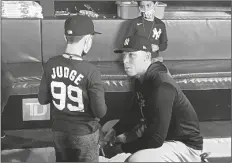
[(36, 145)]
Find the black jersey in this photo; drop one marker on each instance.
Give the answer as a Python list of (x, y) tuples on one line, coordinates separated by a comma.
[(75, 91), (168, 112), (155, 31)]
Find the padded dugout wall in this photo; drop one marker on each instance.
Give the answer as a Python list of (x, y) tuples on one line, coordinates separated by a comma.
[(195, 46), (187, 39), (195, 57), (21, 50)]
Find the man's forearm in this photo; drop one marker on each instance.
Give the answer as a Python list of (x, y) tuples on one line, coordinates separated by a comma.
[(157, 129)]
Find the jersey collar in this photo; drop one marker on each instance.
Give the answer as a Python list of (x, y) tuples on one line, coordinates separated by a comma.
[(72, 56)]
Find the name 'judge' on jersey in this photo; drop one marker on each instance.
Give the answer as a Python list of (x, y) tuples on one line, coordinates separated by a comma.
[(73, 83)]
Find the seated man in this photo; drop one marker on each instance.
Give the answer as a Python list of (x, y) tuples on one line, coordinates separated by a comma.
[(161, 125)]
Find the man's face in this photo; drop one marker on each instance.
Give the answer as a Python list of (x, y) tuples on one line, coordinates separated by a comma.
[(133, 62)]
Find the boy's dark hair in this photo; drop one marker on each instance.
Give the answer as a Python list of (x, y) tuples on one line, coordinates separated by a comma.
[(73, 39), (138, 2), (141, 1)]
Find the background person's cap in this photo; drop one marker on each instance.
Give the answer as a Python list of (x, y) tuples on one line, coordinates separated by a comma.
[(135, 43), (79, 25)]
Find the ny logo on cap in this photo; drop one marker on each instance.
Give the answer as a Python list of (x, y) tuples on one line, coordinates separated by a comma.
[(126, 42), (70, 32)]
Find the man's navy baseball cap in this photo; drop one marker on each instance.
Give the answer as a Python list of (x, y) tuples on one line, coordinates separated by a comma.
[(135, 43), (79, 25)]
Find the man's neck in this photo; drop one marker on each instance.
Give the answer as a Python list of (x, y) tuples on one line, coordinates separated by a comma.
[(141, 76)]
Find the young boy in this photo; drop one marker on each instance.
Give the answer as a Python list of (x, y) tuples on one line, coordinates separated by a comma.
[(74, 88), (150, 27)]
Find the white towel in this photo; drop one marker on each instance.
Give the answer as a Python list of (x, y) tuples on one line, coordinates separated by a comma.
[(118, 158)]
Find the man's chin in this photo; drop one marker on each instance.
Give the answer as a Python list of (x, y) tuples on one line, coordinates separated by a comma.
[(130, 74)]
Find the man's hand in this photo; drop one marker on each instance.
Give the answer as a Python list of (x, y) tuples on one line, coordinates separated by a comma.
[(154, 47), (139, 129), (109, 138), (111, 133), (120, 139)]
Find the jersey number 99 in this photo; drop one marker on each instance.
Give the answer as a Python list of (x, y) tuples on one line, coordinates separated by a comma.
[(67, 90)]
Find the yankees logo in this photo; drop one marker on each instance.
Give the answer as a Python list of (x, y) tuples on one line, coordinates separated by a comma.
[(156, 33), (126, 42)]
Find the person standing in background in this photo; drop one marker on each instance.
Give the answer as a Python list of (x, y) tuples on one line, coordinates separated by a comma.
[(150, 27)]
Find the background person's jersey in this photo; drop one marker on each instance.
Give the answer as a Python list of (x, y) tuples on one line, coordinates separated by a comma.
[(155, 31), (75, 91)]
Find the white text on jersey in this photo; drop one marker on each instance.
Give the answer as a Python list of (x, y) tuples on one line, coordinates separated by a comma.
[(65, 72)]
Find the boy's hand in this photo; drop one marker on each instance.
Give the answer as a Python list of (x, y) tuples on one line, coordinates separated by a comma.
[(154, 47)]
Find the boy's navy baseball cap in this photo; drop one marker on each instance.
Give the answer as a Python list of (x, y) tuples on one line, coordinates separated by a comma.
[(135, 43), (79, 25)]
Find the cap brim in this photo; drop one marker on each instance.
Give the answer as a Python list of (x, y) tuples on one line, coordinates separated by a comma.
[(125, 50), (96, 32)]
